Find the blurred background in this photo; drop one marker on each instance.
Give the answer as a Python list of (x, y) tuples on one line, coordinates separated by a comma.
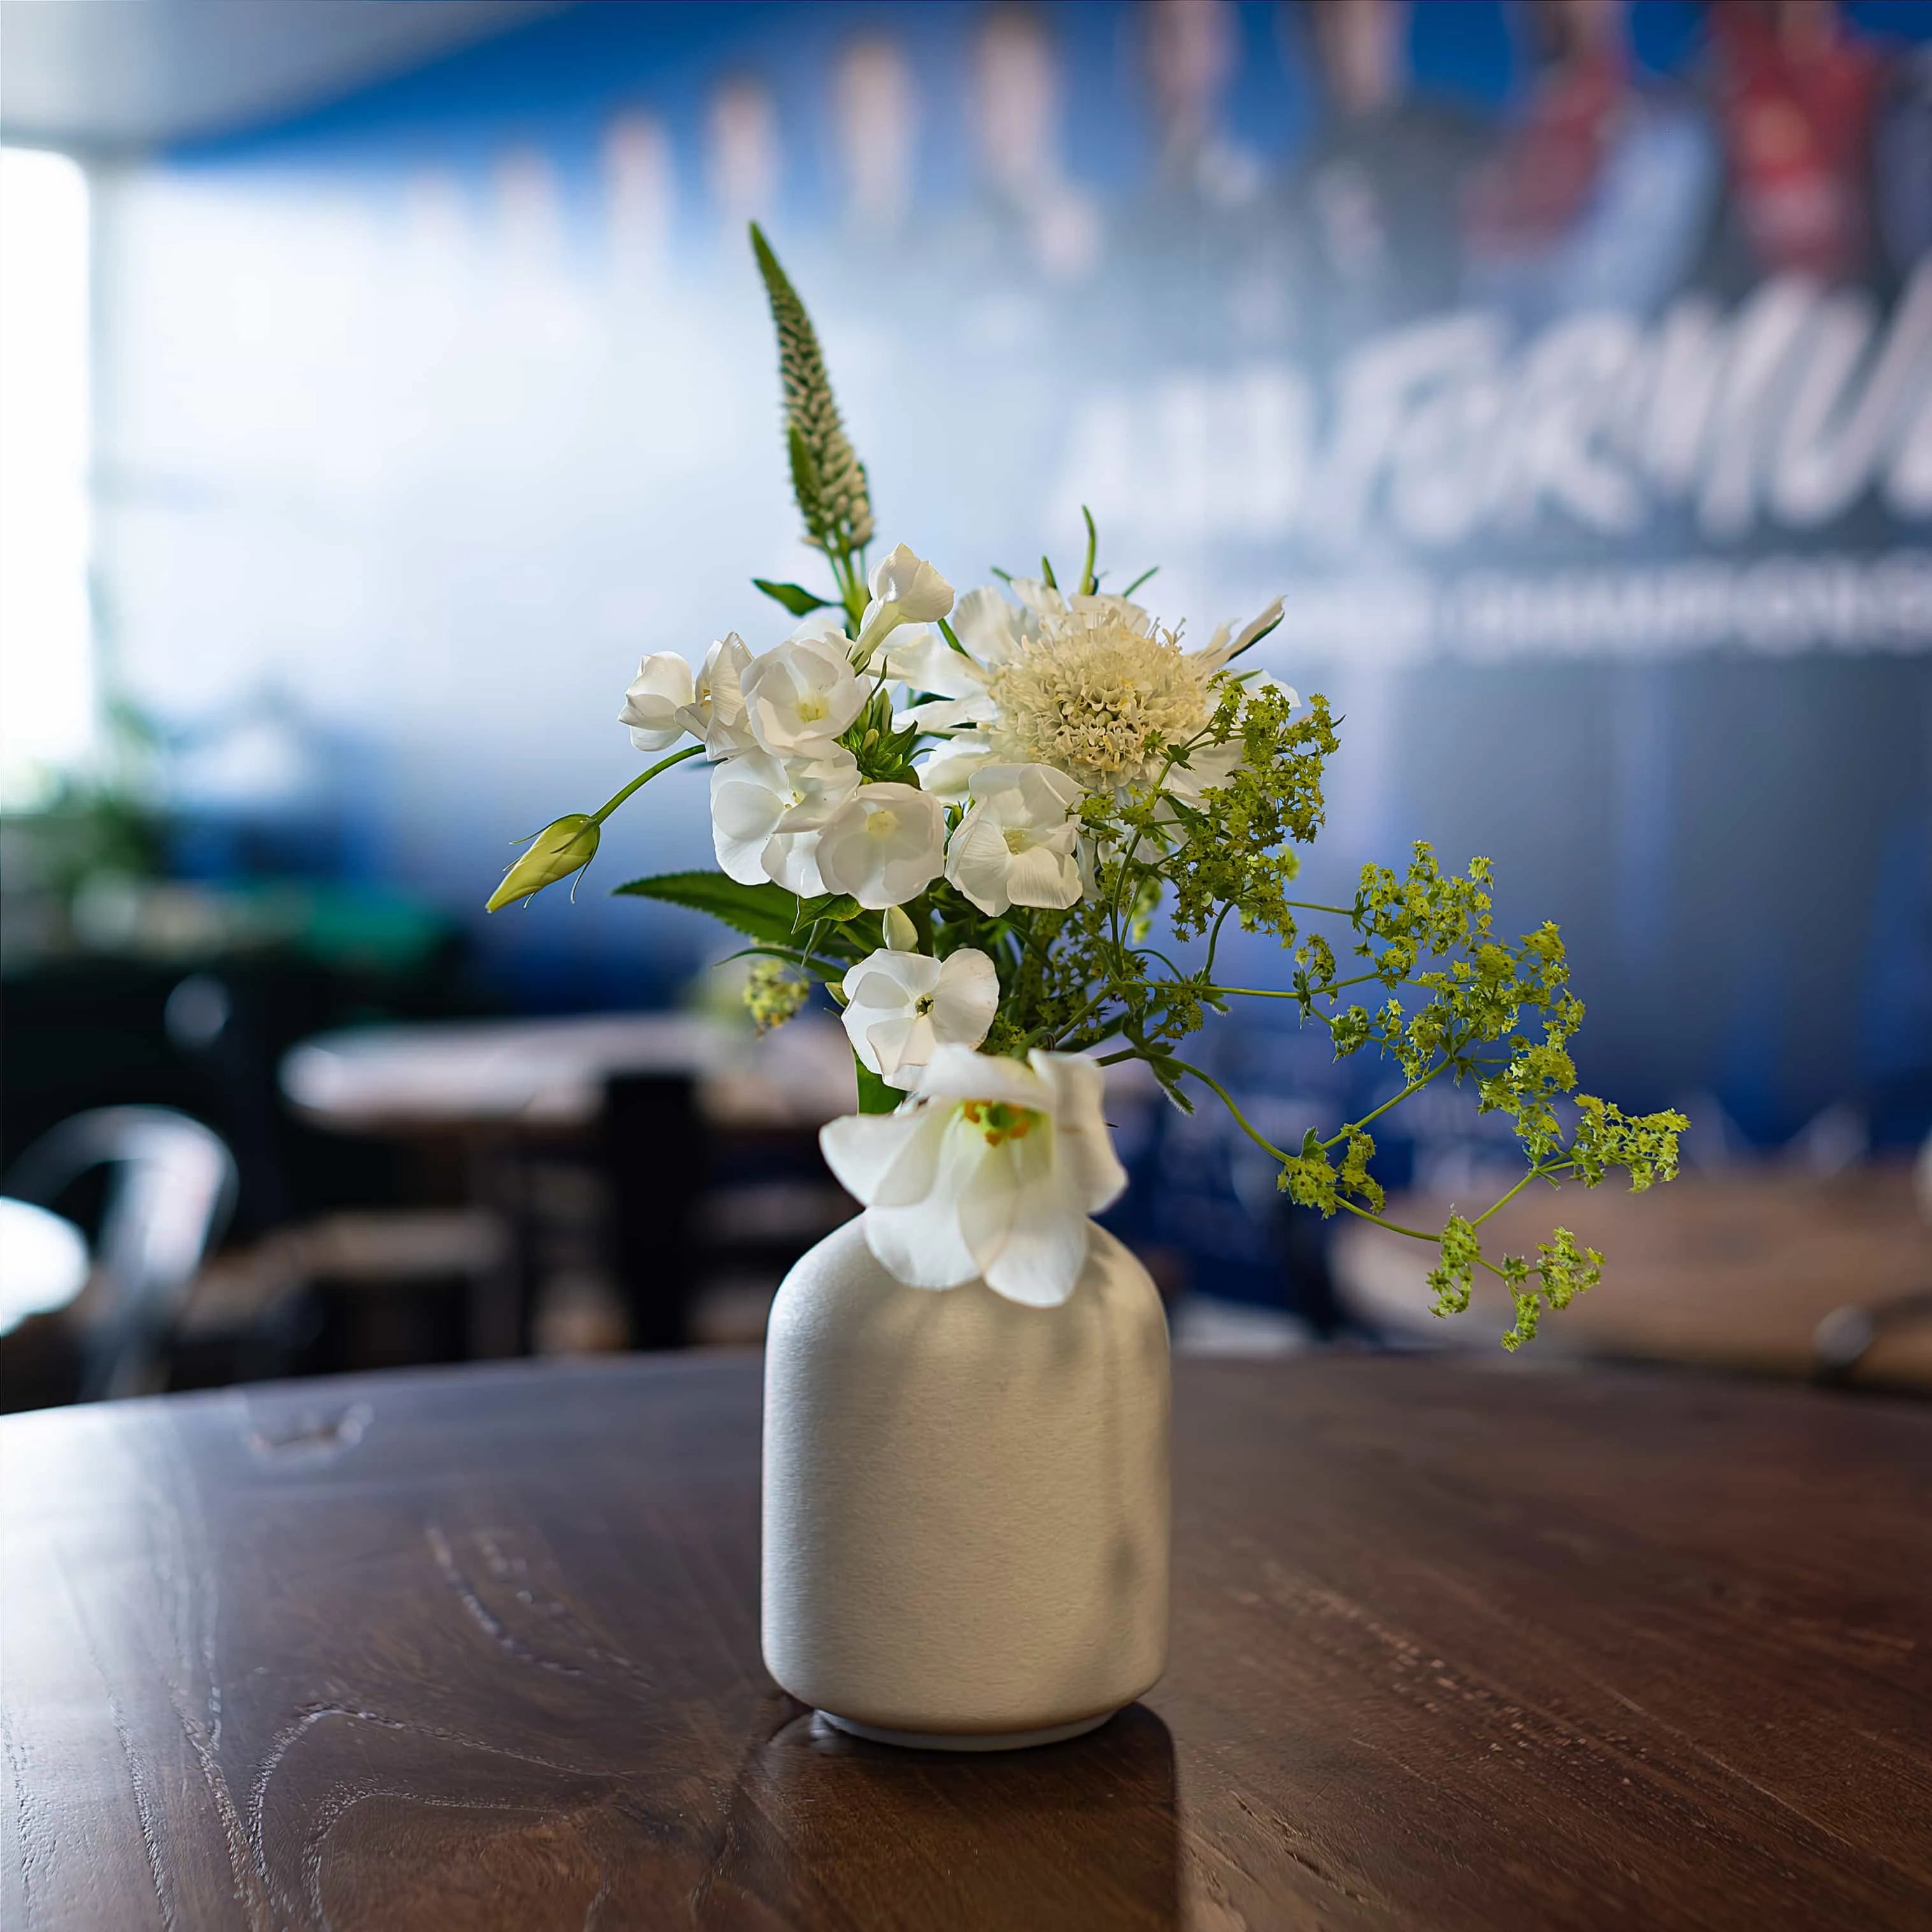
[(379, 380)]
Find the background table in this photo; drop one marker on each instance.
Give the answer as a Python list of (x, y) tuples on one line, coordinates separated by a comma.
[(1453, 1648)]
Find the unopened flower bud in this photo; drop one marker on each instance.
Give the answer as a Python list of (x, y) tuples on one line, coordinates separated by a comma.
[(901, 934), (554, 854)]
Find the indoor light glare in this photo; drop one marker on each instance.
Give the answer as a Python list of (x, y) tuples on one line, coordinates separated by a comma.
[(47, 671)]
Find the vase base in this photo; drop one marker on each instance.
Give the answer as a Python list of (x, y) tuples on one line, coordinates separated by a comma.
[(965, 1740)]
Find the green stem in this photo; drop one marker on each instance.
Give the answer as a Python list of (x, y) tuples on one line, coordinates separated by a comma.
[(1414, 1087), (611, 804), (1496, 1207), (1280, 993), (1240, 1119), (1414, 1234), (1540, 1172), (1099, 999)]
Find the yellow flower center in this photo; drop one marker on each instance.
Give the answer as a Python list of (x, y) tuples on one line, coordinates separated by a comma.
[(1018, 839), (1099, 699), (882, 824), (812, 707), (1000, 1122)]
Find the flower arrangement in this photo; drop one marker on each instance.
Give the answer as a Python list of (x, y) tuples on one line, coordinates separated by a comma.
[(962, 816)]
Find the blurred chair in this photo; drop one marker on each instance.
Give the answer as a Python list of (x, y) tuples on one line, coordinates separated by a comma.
[(171, 1187), (656, 1156)]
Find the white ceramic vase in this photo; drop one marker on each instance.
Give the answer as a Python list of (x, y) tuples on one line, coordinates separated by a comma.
[(965, 1500)]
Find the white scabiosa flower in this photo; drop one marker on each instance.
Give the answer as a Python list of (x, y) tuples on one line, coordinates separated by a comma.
[(1224, 648), (900, 1007), (800, 695), (1089, 684), (906, 590), (1101, 695), (1016, 845), (766, 816), (884, 845), (989, 1171), (654, 705)]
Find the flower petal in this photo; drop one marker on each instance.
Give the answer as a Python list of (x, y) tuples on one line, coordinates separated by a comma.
[(987, 625), (922, 1246), (1045, 1248), (885, 1160), (977, 861), (1042, 877), (966, 998), (1084, 1144)]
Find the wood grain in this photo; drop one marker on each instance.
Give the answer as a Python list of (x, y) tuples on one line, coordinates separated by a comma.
[(1453, 1648)]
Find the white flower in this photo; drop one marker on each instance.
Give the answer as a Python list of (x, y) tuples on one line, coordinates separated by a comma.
[(1015, 847), (716, 712), (901, 1006), (990, 630), (653, 706), (766, 816), (1224, 649), (800, 695), (1087, 683), (666, 700), (885, 845), (948, 772), (989, 1171), (906, 590)]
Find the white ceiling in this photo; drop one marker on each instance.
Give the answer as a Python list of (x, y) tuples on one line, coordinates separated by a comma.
[(109, 75)]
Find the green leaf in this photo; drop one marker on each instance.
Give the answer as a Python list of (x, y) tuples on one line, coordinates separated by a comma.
[(833, 907), (766, 913), (799, 601), (874, 1096)]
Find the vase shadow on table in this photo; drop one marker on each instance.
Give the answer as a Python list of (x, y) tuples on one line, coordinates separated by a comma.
[(822, 1827)]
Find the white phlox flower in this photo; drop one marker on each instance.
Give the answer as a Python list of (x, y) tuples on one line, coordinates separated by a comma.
[(900, 1007), (948, 772), (716, 715), (1016, 844), (989, 1171), (906, 590), (767, 815), (667, 699), (885, 844), (654, 704), (799, 695)]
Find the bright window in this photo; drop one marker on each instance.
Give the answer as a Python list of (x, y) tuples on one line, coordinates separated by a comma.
[(46, 660)]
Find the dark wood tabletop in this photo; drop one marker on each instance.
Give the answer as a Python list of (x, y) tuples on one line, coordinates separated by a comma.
[(1452, 1647)]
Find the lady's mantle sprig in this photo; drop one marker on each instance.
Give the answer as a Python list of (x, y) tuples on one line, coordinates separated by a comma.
[(963, 817)]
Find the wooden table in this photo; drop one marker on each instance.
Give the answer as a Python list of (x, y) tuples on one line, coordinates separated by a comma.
[(1454, 1647)]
